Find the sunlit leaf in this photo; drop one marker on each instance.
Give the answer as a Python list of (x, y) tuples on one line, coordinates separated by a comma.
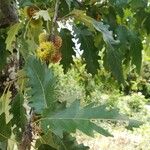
[(42, 13), (11, 35), (5, 106), (76, 117)]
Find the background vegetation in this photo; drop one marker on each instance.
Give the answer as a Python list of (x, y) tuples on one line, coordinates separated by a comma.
[(72, 68)]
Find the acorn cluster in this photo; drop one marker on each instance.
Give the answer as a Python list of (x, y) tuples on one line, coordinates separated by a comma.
[(49, 48)]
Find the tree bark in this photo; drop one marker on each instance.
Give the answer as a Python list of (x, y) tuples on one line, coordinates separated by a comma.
[(8, 16), (8, 13)]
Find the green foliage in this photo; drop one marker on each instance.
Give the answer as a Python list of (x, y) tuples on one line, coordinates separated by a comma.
[(74, 117), (119, 49), (145, 70), (90, 51), (19, 115), (5, 131), (11, 36), (73, 94), (41, 84), (69, 83), (47, 139), (139, 84), (3, 51), (69, 3), (131, 43), (113, 63), (67, 49), (69, 143), (146, 22), (136, 51), (132, 104), (5, 106)]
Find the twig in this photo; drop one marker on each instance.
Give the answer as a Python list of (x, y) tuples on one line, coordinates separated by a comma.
[(54, 18)]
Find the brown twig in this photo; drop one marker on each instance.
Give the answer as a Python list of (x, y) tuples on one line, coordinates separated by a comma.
[(54, 18)]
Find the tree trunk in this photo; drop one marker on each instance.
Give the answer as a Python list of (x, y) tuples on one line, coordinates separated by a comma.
[(8, 13), (8, 16)]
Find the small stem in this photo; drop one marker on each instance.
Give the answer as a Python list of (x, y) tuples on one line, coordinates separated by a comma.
[(55, 17), (56, 11), (47, 24)]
